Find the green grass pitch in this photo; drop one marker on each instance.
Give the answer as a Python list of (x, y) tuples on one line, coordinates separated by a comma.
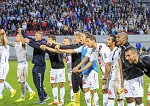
[(12, 79)]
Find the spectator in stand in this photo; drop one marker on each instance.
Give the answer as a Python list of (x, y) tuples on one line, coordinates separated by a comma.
[(100, 17)]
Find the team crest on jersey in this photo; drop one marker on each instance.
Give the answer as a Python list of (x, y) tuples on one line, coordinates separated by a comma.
[(52, 78), (83, 82), (109, 92)]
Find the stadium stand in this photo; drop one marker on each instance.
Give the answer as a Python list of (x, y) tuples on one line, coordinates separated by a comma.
[(63, 17)]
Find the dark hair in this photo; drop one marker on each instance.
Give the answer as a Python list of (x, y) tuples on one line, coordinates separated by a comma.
[(113, 38), (53, 37), (91, 37), (131, 48)]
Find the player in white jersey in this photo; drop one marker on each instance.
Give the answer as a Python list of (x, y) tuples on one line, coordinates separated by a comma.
[(22, 69), (115, 72), (90, 76), (4, 65), (99, 49)]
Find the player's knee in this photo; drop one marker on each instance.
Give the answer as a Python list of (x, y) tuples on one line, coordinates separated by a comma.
[(1, 80), (148, 103), (129, 99), (93, 91), (85, 90), (53, 85), (104, 91), (61, 84), (138, 100)]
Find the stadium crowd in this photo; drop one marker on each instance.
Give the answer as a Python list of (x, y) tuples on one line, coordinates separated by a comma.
[(63, 17)]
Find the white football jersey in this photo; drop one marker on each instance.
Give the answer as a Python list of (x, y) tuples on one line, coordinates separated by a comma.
[(20, 52), (101, 53), (113, 58), (4, 54)]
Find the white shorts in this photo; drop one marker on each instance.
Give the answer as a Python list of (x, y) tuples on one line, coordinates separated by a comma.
[(114, 86), (69, 78), (4, 68), (134, 87), (91, 81), (57, 75), (22, 72)]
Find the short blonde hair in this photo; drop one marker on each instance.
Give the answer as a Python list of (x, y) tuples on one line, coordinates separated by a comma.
[(40, 33), (78, 34)]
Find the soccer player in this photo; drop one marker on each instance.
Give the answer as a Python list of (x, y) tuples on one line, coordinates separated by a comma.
[(22, 69), (67, 41), (133, 80), (99, 49), (142, 62), (39, 64), (76, 59), (115, 72), (85, 54), (57, 74), (4, 65)]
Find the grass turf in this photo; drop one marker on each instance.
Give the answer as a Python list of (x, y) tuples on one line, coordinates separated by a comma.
[(12, 79)]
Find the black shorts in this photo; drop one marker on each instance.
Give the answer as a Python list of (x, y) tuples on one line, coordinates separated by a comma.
[(77, 82)]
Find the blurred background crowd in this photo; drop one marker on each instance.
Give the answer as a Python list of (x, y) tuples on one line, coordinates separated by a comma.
[(63, 17)]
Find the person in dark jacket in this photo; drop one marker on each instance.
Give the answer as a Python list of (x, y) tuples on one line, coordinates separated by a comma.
[(39, 64), (141, 62), (57, 72), (76, 59), (133, 80)]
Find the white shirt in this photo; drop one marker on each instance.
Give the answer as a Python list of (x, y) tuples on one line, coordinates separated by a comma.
[(4, 54), (20, 52), (101, 53), (114, 57)]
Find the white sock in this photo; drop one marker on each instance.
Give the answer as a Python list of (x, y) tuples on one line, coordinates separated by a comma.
[(131, 104), (23, 85), (87, 98), (55, 94), (111, 102), (1, 89), (105, 99), (28, 87), (62, 94), (96, 100), (7, 85), (120, 103), (72, 95), (141, 104)]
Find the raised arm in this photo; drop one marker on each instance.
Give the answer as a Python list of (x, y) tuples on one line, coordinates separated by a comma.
[(6, 41), (25, 35)]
